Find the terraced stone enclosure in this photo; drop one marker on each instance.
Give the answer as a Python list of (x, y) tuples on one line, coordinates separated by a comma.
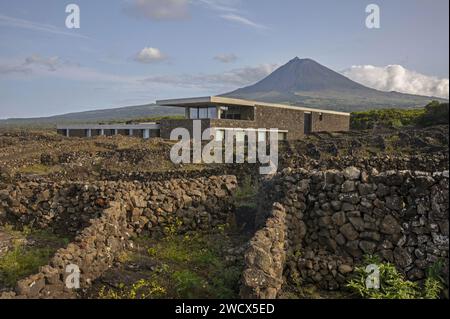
[(104, 217), (138, 226), (324, 222)]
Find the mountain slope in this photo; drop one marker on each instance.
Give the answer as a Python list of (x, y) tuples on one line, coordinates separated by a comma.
[(308, 83), (96, 116)]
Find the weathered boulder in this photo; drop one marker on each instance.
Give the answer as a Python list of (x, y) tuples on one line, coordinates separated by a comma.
[(389, 225), (352, 173)]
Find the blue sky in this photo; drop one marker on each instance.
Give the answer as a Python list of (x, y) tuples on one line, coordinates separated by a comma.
[(131, 52)]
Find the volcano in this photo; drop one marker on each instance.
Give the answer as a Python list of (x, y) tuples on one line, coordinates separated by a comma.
[(306, 82)]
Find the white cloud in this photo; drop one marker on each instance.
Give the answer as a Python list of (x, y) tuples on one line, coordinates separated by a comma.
[(14, 69), (37, 67), (51, 63), (35, 26), (397, 78), (179, 9), (242, 20), (226, 58), (149, 55), (158, 9), (218, 81), (218, 5), (30, 65)]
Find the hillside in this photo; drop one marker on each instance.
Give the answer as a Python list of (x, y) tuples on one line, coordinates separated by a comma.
[(308, 83), (96, 116)]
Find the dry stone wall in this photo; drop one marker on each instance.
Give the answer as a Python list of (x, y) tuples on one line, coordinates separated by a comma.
[(401, 216), (430, 162), (265, 258), (130, 208), (334, 218), (68, 207)]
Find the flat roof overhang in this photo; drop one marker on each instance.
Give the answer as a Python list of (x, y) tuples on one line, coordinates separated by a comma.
[(218, 100), (151, 126)]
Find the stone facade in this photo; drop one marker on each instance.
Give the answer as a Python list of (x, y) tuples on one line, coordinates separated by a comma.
[(266, 117), (325, 122), (168, 125)]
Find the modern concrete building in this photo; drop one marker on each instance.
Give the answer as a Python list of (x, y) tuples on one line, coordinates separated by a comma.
[(221, 114)]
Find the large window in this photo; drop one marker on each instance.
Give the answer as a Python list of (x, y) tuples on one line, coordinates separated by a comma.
[(203, 112), (193, 113), (230, 113), (212, 112)]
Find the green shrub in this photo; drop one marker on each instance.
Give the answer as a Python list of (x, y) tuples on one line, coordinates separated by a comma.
[(393, 285), (433, 288), (173, 226), (435, 113), (385, 118)]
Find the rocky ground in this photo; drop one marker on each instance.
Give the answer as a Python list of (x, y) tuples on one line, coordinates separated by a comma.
[(46, 154), (185, 265), (386, 149)]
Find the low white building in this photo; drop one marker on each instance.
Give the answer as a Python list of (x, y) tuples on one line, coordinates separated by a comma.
[(143, 130)]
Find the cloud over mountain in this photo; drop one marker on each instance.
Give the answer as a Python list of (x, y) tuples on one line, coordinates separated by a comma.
[(225, 80), (226, 58), (397, 78)]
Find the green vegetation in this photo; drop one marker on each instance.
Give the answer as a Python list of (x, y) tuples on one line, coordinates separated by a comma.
[(187, 266), (385, 118), (393, 285), (21, 260), (433, 114), (36, 169), (141, 289), (245, 194)]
